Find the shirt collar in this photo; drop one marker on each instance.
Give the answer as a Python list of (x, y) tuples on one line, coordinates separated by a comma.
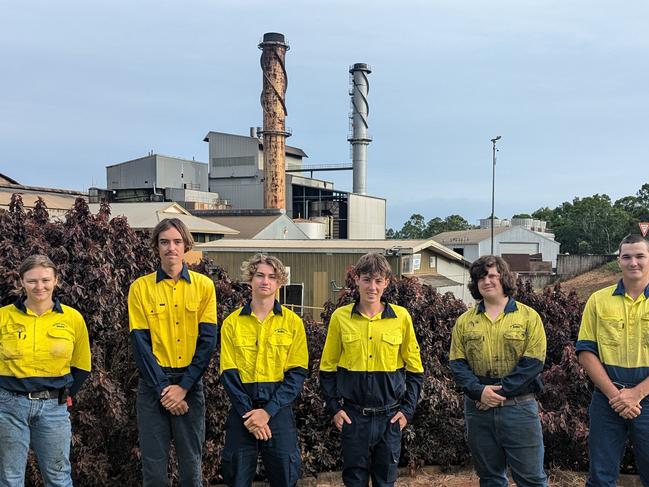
[(509, 307), (388, 311), (20, 304), (619, 290), (247, 309), (184, 273)]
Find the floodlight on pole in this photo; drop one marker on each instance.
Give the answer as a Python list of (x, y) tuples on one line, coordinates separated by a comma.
[(493, 190)]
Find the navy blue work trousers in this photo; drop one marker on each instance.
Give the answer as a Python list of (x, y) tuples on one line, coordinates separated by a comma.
[(157, 427), (507, 435), (607, 439), (280, 455), (371, 447)]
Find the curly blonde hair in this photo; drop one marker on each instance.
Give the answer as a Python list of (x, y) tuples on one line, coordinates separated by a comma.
[(249, 267)]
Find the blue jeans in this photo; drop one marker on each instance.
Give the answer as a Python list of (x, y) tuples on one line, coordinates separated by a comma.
[(371, 447), (157, 427), (607, 439), (280, 454), (45, 424), (508, 435)]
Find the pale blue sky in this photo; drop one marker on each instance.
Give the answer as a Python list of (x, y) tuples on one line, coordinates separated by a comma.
[(88, 84)]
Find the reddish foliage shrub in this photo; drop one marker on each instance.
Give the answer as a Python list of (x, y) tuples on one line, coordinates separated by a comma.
[(99, 257)]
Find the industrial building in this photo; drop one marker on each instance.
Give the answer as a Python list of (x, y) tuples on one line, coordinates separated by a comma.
[(237, 174), (508, 240), (318, 267), (58, 201), (145, 216)]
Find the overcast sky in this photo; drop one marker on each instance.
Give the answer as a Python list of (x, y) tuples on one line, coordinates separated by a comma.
[(86, 84)]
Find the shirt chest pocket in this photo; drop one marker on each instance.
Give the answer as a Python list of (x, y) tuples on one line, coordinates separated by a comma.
[(389, 347), (645, 331), (12, 341), (245, 351), (59, 343), (609, 332), (279, 345), (514, 341), (473, 346)]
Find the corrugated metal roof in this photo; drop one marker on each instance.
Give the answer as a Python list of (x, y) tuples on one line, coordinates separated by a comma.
[(53, 201), (434, 280), (6, 179), (147, 215), (248, 226), (333, 246), (467, 237)]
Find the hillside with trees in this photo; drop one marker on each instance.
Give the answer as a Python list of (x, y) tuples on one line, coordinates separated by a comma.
[(587, 225)]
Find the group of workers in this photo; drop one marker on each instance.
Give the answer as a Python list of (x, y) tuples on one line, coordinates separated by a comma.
[(371, 372)]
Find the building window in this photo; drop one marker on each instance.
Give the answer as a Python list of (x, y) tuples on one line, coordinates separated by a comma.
[(416, 262), (406, 264), (432, 262)]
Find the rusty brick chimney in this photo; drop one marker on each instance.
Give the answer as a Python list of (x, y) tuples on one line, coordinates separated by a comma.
[(274, 48)]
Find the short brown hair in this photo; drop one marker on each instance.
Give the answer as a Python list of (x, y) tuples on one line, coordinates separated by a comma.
[(36, 260), (480, 268), (373, 264), (168, 223), (631, 239), (249, 267)]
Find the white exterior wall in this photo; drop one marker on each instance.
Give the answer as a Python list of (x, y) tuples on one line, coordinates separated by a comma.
[(471, 251), (366, 217), (548, 248), (458, 273)]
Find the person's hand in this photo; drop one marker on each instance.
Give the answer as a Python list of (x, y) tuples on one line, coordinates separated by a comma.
[(490, 397), (172, 395), (627, 403), (480, 406), (179, 410), (339, 418), (401, 418), (256, 419), (262, 433)]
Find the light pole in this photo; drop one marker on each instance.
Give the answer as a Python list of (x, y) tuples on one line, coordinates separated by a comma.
[(493, 191)]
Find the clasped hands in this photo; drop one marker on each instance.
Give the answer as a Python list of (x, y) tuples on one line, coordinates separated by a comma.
[(172, 399), (627, 403), (256, 422), (490, 398)]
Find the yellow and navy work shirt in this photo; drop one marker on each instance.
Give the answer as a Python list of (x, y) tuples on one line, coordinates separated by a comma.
[(508, 351), (263, 361), (615, 327), (45, 352), (371, 361), (173, 326)]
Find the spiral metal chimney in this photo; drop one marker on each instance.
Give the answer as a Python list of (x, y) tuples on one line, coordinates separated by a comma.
[(275, 82), (360, 109)]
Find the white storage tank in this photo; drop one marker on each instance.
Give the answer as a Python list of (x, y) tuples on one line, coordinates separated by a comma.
[(316, 230)]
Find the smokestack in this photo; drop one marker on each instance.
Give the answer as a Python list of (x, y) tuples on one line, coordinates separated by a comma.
[(273, 93), (360, 109)]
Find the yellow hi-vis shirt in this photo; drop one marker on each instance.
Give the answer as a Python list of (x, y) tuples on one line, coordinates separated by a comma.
[(173, 325), (615, 327), (263, 361), (371, 361), (509, 350), (42, 352)]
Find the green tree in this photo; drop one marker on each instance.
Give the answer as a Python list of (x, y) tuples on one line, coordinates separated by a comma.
[(417, 228), (587, 225)]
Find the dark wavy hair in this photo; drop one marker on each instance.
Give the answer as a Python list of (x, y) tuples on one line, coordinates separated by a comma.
[(480, 268)]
